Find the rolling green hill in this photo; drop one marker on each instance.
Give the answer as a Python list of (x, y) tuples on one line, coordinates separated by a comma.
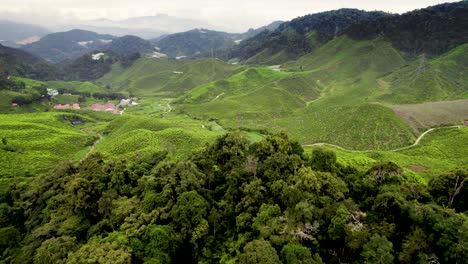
[(151, 76), (37, 141), (441, 78), (326, 96), (335, 94), (139, 135), (438, 152)]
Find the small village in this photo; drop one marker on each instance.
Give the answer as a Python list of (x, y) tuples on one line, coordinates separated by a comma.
[(117, 109)]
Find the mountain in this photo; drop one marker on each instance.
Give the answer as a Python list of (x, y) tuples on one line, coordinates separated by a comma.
[(253, 32), (20, 63), (120, 31), (195, 42), (158, 24), (433, 30), (204, 42), (128, 45), (299, 36), (57, 47), (16, 34)]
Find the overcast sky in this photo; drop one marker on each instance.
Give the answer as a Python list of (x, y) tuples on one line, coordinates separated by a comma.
[(233, 15)]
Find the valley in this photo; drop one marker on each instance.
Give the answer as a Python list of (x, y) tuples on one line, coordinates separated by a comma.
[(323, 139)]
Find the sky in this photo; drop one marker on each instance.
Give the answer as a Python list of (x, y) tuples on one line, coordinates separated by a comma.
[(230, 15)]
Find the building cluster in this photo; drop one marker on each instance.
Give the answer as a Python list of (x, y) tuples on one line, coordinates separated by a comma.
[(67, 106)]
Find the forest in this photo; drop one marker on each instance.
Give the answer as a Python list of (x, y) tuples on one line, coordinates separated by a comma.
[(234, 202)]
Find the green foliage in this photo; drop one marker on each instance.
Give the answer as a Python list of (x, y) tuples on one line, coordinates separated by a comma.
[(297, 254), (100, 252), (37, 141), (233, 201), (378, 250), (450, 190), (259, 251), (150, 76)]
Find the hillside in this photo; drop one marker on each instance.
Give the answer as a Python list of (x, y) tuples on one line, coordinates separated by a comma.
[(194, 42), (324, 96), (163, 76), (299, 36), (21, 63), (129, 45), (38, 141), (57, 47), (429, 79)]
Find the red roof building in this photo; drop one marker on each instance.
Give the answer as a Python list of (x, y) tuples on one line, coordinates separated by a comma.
[(109, 107), (96, 107), (62, 106)]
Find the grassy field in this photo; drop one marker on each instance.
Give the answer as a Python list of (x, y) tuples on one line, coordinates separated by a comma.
[(37, 141), (440, 151), (423, 116)]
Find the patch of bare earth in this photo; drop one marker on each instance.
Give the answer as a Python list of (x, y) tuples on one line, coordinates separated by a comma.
[(417, 168)]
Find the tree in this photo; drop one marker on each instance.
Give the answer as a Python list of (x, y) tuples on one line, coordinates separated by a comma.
[(54, 250), (378, 250), (451, 190), (323, 160), (101, 252), (293, 253), (259, 252), (189, 211)]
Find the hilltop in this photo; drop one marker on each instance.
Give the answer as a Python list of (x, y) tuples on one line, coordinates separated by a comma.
[(57, 47), (204, 42)]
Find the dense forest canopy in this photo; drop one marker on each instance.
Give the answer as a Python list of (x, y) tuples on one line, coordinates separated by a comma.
[(266, 202)]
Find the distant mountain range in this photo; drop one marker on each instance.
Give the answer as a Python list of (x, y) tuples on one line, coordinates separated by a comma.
[(15, 34), (200, 42)]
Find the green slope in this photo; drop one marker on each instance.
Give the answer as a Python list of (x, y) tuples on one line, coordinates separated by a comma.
[(442, 78), (325, 96), (438, 152), (38, 141), (150, 76), (136, 135)]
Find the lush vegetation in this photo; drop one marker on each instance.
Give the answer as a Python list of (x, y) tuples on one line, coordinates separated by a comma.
[(234, 202), (34, 142), (151, 77), (438, 152), (301, 35), (433, 30), (137, 135), (20, 63), (195, 42)]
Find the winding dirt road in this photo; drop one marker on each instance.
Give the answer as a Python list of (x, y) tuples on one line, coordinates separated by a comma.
[(394, 150)]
